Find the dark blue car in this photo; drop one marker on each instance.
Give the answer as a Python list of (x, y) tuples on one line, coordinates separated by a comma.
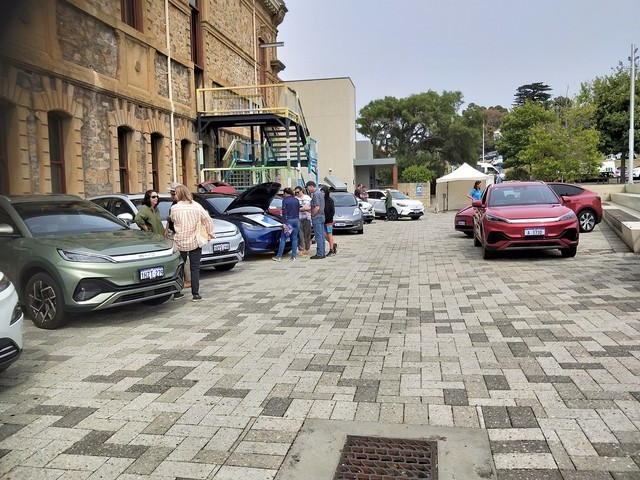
[(248, 210)]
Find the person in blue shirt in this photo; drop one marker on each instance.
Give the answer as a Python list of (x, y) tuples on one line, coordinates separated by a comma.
[(476, 192), (290, 224)]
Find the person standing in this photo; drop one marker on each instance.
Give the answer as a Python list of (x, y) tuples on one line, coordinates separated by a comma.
[(290, 224), (329, 212), (148, 216), (186, 216), (170, 230), (388, 203), (317, 218), (305, 221), (476, 192)]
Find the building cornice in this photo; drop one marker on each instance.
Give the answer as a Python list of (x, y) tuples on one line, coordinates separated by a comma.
[(277, 9)]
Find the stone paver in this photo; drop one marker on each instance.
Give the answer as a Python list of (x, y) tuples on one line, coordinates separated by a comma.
[(407, 325)]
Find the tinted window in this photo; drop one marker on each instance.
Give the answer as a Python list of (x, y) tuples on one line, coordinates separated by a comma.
[(375, 195), (567, 190), (66, 218), (521, 195), (164, 204), (347, 200), (102, 202), (398, 195)]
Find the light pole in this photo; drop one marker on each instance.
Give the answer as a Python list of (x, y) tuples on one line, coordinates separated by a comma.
[(631, 110)]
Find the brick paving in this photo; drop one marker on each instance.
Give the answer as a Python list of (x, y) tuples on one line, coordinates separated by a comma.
[(408, 325)]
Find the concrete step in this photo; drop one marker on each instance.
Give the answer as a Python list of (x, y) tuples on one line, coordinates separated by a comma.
[(625, 221), (629, 200)]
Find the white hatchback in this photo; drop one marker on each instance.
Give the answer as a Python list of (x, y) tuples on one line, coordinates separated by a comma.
[(11, 321), (402, 205)]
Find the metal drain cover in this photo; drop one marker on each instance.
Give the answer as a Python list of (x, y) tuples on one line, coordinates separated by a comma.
[(379, 458)]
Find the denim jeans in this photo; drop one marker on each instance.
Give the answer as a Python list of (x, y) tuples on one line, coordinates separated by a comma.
[(195, 256), (318, 228), (294, 224)]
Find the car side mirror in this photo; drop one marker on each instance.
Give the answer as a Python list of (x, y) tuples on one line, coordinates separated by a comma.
[(477, 203), (6, 229), (126, 218)]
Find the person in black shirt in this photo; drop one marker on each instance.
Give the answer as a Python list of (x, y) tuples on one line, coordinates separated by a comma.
[(329, 212)]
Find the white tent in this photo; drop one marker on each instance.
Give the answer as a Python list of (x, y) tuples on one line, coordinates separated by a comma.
[(452, 189)]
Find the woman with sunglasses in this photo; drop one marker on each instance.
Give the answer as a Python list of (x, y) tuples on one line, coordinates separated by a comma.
[(148, 216)]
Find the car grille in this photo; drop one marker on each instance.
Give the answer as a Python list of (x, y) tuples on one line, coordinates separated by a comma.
[(9, 351), (169, 289)]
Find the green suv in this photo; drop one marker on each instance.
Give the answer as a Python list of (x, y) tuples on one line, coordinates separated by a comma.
[(65, 254)]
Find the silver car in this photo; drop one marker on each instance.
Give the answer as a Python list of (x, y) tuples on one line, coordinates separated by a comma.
[(348, 215), (222, 253)]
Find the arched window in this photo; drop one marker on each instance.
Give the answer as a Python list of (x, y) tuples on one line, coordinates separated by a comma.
[(156, 154), (185, 147), (124, 141), (58, 127)]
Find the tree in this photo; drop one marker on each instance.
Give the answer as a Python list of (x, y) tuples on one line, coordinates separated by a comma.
[(532, 92), (609, 95), (515, 131), (417, 174), (422, 128), (563, 150)]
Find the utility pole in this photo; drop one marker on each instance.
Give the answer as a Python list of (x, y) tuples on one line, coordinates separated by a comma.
[(631, 110)]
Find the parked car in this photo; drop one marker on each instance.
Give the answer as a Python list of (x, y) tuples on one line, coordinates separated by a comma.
[(222, 253), (348, 216), (275, 207), (215, 186), (402, 205), (523, 216), (463, 221), (11, 322), (65, 254), (586, 204), (368, 213), (248, 210)]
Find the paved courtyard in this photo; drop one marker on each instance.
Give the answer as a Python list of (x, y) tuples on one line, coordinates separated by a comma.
[(406, 327)]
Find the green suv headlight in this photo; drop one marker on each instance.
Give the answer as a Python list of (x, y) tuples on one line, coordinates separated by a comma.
[(85, 257)]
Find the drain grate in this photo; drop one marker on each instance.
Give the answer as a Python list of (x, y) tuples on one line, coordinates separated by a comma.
[(377, 458)]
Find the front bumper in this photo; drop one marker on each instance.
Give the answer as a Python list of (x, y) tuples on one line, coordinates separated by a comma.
[(343, 224), (410, 212), (560, 235)]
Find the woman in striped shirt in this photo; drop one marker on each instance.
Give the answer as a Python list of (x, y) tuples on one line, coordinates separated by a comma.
[(185, 215)]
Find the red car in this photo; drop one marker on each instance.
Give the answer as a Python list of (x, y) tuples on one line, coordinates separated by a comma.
[(524, 216), (464, 221), (585, 203)]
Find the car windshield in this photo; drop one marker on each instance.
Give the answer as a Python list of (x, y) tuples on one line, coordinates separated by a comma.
[(66, 218), (344, 200), (398, 195), (276, 203), (164, 204), (522, 195)]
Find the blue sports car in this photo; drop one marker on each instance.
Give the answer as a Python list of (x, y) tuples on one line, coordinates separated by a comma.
[(248, 210)]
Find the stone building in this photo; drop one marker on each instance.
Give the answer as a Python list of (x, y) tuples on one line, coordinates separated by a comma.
[(87, 104)]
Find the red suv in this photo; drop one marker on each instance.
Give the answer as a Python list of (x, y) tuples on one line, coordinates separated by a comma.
[(585, 203)]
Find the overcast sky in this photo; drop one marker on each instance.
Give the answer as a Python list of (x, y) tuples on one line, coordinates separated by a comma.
[(485, 49)]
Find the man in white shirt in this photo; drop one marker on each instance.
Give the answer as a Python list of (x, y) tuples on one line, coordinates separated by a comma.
[(304, 232)]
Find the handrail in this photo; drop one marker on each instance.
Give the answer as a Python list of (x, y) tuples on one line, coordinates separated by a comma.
[(277, 99)]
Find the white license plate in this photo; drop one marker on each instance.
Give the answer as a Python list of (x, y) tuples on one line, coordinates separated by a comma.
[(221, 247), (151, 273), (534, 232), (339, 224), (461, 222)]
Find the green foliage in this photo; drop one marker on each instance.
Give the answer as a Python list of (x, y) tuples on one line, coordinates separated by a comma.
[(515, 132), (424, 126), (417, 174), (609, 95), (532, 92)]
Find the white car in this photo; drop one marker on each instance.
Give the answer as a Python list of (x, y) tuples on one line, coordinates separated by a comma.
[(11, 320), (368, 213), (402, 205), (222, 253)]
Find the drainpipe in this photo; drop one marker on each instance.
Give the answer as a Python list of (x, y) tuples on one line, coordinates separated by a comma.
[(255, 48), (173, 131)]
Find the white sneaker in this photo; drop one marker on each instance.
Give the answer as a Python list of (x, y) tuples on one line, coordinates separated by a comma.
[(293, 259), (276, 259)]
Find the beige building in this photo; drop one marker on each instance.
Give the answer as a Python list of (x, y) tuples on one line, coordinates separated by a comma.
[(99, 96), (330, 111)]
